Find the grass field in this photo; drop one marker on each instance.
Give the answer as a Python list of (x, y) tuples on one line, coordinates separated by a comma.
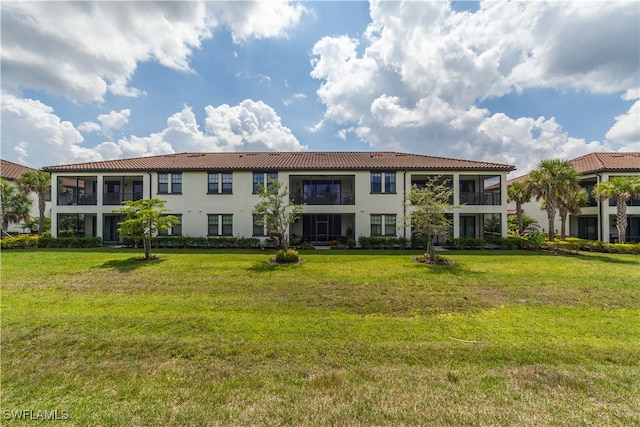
[(344, 338)]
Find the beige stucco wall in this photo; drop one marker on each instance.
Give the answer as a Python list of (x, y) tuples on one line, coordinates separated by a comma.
[(194, 203)]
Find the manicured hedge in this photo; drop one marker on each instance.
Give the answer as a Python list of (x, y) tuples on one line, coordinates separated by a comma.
[(46, 241), (376, 242), (197, 242)]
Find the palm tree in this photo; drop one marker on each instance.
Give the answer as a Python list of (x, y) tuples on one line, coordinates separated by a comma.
[(38, 182), (624, 188), (14, 205), (570, 203), (551, 179), (520, 193)]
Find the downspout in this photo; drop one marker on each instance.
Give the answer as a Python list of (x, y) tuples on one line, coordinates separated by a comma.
[(600, 214), (150, 183), (404, 201)]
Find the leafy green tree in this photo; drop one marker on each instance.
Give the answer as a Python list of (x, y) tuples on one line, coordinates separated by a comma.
[(624, 188), (38, 182), (551, 179), (570, 202), (14, 204), (427, 207), (277, 211), (520, 193), (143, 219)]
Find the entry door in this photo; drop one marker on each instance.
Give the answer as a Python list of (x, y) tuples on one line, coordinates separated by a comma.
[(467, 226), (588, 228), (322, 231), (110, 231)]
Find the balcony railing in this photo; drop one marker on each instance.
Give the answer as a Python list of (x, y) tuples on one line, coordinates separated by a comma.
[(77, 199), (487, 199), (118, 198), (613, 201), (325, 198)]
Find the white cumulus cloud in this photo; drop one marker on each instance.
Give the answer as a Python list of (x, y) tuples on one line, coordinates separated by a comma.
[(416, 78)]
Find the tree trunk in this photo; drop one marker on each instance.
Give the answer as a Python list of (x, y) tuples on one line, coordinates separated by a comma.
[(563, 223), (520, 221), (551, 215), (41, 208), (147, 247), (621, 218), (431, 250)]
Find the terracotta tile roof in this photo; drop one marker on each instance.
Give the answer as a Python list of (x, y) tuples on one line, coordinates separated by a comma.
[(282, 161), (600, 162), (12, 171)]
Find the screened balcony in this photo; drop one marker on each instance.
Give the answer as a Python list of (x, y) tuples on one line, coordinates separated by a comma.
[(120, 189), (77, 190), (322, 190), (480, 190)]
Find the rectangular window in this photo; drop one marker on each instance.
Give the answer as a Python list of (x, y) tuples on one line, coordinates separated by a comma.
[(389, 225), (376, 225), (176, 230), (176, 182), (389, 182), (212, 180), (271, 176), (258, 182), (227, 183), (227, 225), (213, 225), (258, 227), (376, 182), (163, 183)]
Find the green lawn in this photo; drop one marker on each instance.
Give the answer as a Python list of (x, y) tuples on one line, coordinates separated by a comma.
[(344, 338)]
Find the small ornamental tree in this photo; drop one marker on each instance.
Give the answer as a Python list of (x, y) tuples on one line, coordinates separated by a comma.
[(519, 192), (428, 207), (38, 182), (143, 219), (570, 202), (277, 211)]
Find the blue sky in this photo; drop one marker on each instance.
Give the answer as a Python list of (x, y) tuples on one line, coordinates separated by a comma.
[(503, 81)]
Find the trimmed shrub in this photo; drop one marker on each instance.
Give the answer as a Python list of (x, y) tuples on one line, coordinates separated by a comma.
[(287, 257), (19, 242), (536, 239)]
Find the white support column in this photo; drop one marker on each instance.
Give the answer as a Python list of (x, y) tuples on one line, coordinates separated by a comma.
[(503, 204), (456, 202), (54, 206)]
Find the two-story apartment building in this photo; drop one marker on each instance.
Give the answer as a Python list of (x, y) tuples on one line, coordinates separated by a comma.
[(213, 194), (597, 220)]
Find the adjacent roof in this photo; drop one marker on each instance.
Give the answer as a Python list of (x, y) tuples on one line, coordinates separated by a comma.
[(281, 161), (12, 171), (601, 162)]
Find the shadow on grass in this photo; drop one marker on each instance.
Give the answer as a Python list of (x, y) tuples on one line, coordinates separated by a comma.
[(269, 266), (129, 264), (611, 260), (454, 269)]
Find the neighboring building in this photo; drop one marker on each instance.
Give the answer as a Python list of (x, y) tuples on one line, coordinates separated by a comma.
[(11, 172), (597, 221), (213, 194)]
